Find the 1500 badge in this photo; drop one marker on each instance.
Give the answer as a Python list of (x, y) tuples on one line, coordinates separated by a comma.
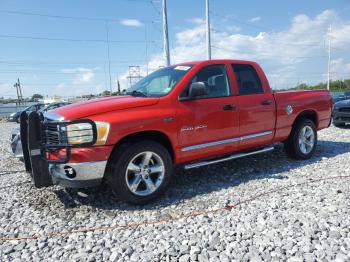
[(193, 128)]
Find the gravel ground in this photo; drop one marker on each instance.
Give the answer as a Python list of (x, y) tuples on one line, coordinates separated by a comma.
[(306, 220)]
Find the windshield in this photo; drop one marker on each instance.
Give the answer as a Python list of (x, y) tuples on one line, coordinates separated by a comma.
[(160, 82)]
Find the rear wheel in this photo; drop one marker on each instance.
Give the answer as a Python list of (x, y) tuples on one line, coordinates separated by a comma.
[(142, 172), (302, 141)]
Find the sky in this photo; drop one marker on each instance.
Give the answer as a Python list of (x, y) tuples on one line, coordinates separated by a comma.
[(61, 47)]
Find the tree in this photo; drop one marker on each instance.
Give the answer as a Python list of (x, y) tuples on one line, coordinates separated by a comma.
[(105, 93), (36, 97), (335, 86)]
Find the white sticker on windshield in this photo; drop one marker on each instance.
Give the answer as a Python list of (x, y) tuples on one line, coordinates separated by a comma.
[(183, 68)]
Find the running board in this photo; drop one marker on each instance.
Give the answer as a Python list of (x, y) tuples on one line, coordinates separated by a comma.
[(235, 156)]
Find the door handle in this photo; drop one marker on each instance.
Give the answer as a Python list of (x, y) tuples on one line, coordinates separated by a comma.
[(266, 102), (229, 107)]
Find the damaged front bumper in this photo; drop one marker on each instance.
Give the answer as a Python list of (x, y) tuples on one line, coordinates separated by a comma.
[(41, 138), (78, 175)]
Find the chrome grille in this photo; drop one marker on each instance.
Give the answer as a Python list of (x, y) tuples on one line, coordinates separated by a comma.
[(51, 134)]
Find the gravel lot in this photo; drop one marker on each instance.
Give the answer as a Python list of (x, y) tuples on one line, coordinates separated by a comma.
[(305, 220)]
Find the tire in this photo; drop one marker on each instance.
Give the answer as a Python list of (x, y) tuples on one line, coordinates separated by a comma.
[(130, 164), (301, 145)]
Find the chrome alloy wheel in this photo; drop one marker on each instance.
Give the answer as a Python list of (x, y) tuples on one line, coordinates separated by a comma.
[(306, 140), (145, 173)]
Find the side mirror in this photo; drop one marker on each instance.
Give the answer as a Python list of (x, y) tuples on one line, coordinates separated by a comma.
[(197, 89)]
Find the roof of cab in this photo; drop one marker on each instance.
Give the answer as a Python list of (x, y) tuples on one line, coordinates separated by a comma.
[(214, 61)]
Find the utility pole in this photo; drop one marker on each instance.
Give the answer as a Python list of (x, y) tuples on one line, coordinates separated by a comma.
[(20, 90), (165, 35), (146, 55), (109, 59), (118, 86), (329, 57), (17, 85), (208, 29)]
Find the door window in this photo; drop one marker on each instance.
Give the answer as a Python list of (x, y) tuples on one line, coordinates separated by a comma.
[(247, 79), (216, 80)]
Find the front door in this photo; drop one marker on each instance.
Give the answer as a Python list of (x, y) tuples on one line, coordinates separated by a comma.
[(209, 125)]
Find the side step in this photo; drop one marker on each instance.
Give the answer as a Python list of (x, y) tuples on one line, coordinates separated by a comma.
[(231, 157)]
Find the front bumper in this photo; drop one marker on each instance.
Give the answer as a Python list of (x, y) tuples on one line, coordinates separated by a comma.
[(46, 171), (341, 117), (77, 175)]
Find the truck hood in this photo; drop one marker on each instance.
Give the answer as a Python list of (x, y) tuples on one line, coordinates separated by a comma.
[(103, 105)]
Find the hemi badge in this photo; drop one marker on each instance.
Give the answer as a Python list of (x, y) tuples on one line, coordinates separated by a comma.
[(35, 152)]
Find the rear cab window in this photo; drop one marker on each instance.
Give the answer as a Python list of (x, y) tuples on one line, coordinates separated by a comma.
[(247, 79)]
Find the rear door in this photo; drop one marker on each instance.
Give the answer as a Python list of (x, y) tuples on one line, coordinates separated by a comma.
[(209, 124), (256, 107)]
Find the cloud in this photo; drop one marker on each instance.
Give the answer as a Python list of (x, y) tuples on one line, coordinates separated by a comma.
[(196, 20), (60, 88), (255, 19), (233, 28), (83, 75), (296, 54), (7, 90), (131, 22), (340, 69)]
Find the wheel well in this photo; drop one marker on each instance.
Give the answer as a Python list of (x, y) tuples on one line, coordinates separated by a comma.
[(308, 114), (156, 136)]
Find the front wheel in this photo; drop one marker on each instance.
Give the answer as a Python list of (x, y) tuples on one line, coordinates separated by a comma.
[(302, 141), (141, 173)]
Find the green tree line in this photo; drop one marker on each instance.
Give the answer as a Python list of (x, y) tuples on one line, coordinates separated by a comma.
[(334, 86)]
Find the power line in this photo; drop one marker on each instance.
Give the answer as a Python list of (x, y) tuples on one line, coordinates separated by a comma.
[(282, 43), (73, 17), (253, 25), (73, 40), (155, 8), (257, 54), (60, 63), (240, 22), (13, 71)]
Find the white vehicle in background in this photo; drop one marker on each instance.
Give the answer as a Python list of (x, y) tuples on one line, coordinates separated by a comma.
[(16, 145), (15, 140)]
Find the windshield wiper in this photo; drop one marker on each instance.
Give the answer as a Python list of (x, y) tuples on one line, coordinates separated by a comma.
[(136, 93)]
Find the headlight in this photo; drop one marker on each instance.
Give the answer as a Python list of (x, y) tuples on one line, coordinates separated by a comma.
[(79, 133), (82, 133)]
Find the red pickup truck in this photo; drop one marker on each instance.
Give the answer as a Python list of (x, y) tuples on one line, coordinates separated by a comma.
[(192, 114)]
